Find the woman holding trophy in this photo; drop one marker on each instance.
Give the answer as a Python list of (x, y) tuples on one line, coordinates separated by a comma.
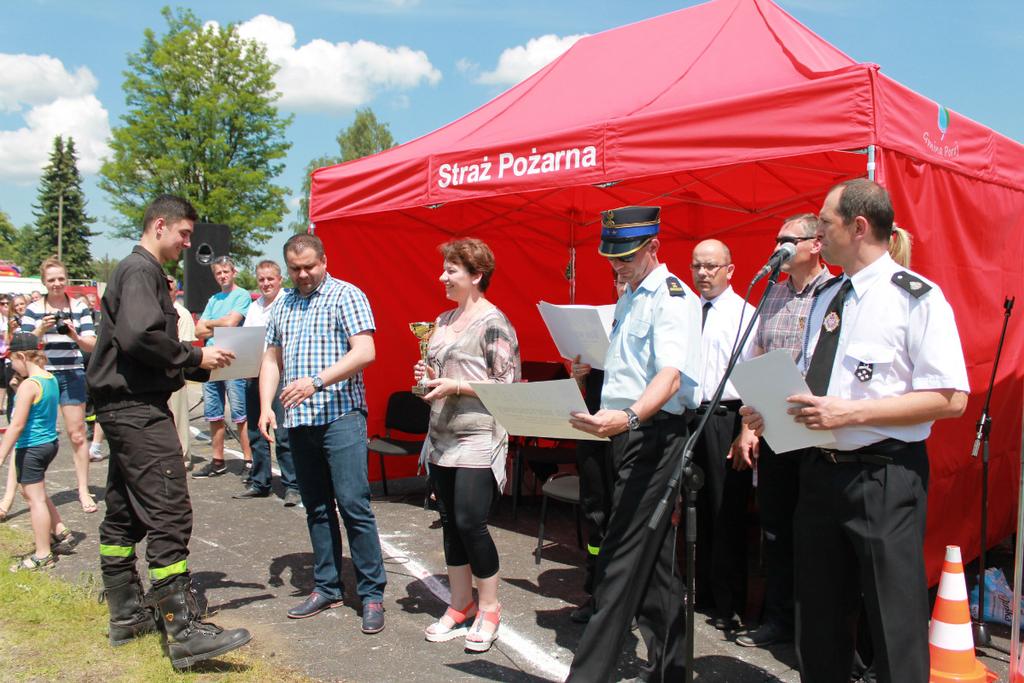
[(465, 447)]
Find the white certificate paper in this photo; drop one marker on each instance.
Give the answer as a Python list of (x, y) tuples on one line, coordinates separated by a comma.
[(247, 343), (764, 383), (536, 408), (579, 330)]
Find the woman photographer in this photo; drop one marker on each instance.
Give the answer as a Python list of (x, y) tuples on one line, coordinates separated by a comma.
[(66, 329), (465, 446)]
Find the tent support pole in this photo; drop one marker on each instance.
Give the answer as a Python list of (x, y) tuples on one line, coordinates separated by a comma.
[(871, 162), (571, 270)]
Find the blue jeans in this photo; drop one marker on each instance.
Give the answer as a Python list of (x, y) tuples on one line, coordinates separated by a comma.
[(72, 386), (260, 476), (330, 467), (213, 400)]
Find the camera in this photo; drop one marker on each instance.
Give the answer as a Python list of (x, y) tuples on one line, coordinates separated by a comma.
[(60, 322)]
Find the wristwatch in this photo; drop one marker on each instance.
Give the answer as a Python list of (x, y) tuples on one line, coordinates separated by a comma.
[(318, 383), (632, 420)]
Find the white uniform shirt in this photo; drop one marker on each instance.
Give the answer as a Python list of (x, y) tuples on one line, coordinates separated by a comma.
[(724, 318), (911, 344), (653, 330)]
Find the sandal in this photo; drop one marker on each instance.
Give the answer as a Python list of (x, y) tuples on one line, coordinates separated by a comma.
[(89, 507), (3, 513), (62, 542), (439, 633), (31, 563), (479, 640)]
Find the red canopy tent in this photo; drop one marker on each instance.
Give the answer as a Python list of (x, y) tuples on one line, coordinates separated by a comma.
[(731, 115)]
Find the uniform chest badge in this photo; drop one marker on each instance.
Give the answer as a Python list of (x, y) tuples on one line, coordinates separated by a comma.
[(864, 371), (831, 323)]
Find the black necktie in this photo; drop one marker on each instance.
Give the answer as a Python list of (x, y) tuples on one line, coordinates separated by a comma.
[(820, 370), (704, 314)]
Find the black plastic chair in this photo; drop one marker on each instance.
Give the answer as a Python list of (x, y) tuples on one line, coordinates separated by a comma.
[(566, 488), (406, 413)]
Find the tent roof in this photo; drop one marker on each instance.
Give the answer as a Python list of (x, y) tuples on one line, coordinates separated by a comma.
[(725, 82)]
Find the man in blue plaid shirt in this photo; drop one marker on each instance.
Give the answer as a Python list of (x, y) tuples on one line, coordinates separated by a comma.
[(321, 336)]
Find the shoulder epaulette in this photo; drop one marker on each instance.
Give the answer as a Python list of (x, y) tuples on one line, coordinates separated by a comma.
[(911, 283), (827, 283), (675, 287)]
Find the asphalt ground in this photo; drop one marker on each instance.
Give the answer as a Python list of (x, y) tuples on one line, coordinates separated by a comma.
[(251, 561)]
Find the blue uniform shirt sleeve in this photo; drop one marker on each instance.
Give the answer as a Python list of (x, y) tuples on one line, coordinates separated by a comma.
[(677, 341)]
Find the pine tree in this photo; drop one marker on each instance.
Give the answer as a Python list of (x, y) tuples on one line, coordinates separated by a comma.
[(61, 203)]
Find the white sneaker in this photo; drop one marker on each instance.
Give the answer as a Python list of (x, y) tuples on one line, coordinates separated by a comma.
[(96, 453)]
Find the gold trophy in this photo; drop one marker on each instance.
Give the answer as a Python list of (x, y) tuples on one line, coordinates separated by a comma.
[(422, 331)]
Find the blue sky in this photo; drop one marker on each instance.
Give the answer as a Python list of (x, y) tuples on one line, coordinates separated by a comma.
[(422, 63)]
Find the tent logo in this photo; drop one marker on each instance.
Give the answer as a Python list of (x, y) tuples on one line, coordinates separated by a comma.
[(940, 147), (943, 121)]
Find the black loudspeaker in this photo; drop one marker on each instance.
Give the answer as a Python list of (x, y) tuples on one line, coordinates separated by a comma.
[(209, 241)]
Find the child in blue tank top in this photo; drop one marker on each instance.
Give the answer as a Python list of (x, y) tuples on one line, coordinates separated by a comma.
[(32, 435)]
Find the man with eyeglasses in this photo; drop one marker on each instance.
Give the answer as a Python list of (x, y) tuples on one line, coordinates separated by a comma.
[(721, 577), (651, 372), (226, 308), (781, 326)]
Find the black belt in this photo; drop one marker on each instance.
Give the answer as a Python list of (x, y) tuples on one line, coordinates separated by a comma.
[(882, 453), (723, 407), (103, 405), (661, 416)]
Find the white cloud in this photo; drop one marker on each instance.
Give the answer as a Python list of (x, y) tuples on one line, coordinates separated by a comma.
[(325, 76), (466, 66), (38, 79), (517, 63), (58, 102)]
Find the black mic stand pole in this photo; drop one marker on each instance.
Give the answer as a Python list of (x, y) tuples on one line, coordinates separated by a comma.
[(981, 635), (688, 474)]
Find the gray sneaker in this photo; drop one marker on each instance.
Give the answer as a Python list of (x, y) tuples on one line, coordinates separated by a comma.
[(292, 498), (214, 468)]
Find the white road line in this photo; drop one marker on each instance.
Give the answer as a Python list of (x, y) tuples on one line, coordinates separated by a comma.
[(509, 637)]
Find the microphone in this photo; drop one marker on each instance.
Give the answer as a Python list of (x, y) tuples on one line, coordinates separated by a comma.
[(781, 255)]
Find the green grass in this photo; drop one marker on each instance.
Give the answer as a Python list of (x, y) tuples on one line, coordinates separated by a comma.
[(55, 630)]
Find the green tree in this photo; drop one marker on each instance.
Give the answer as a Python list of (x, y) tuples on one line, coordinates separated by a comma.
[(8, 239), (62, 225), (103, 268), (364, 137), (202, 124)]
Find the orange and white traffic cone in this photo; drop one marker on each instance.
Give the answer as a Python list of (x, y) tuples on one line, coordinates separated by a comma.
[(950, 641)]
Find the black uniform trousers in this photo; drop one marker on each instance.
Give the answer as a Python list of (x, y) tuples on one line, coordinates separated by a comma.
[(778, 486), (147, 493), (721, 514), (860, 531), (635, 567), (597, 479)]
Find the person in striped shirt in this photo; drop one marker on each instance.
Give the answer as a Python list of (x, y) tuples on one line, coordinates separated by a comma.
[(65, 327)]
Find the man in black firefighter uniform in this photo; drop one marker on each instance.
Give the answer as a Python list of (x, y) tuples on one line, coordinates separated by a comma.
[(650, 381), (137, 364)]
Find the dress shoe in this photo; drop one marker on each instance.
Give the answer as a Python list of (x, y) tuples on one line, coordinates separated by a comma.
[(765, 634), (313, 605), (373, 617), (724, 623), (582, 614), (291, 498), (251, 492)]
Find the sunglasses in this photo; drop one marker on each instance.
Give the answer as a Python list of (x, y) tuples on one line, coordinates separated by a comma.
[(628, 258), (788, 239)]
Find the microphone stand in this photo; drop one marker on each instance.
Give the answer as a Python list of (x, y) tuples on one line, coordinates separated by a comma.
[(688, 474), (980, 630)]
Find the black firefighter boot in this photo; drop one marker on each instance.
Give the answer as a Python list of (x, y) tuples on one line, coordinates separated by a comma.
[(190, 640), (129, 616)]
